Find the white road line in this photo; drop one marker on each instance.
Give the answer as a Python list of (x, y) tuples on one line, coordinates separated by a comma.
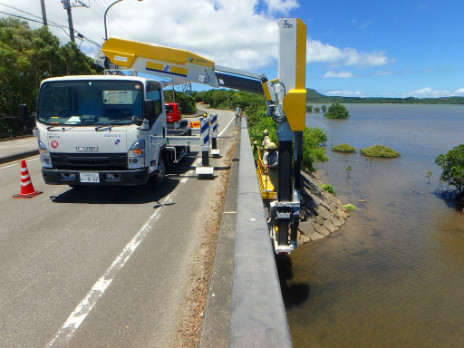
[(220, 134), (83, 309), (9, 166)]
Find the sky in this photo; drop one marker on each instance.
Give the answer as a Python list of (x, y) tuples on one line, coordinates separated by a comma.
[(393, 48)]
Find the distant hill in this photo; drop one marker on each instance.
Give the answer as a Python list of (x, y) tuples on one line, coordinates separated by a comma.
[(312, 96)]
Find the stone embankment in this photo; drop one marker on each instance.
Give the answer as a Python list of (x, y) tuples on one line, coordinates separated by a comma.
[(321, 213)]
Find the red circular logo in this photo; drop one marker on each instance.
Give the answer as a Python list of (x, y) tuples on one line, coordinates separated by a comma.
[(54, 144)]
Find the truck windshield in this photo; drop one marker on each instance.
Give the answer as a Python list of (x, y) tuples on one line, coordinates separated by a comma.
[(77, 103)]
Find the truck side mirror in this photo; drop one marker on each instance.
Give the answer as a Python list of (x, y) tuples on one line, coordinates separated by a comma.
[(149, 109), (137, 120)]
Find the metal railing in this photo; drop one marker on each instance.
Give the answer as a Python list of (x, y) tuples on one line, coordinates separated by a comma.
[(13, 126), (265, 185)]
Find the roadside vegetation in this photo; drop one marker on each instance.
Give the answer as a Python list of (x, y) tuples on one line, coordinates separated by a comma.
[(186, 102), (29, 56), (254, 106), (379, 151), (344, 148)]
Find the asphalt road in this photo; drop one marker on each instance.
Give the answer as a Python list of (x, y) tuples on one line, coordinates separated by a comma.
[(101, 267)]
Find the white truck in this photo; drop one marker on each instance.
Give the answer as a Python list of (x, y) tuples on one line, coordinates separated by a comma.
[(104, 130)]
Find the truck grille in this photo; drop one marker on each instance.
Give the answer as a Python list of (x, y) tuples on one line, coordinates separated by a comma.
[(89, 161)]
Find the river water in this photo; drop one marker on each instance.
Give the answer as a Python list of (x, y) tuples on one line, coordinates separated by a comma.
[(393, 275)]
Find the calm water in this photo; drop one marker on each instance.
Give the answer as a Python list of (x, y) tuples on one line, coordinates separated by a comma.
[(393, 276)]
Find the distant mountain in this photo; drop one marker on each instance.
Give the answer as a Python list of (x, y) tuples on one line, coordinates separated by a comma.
[(312, 96)]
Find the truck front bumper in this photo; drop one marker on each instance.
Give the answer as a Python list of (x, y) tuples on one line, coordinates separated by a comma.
[(107, 177)]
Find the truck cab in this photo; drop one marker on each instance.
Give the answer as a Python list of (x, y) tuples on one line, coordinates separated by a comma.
[(106, 130)]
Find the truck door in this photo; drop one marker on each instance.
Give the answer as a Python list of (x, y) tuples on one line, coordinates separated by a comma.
[(157, 125)]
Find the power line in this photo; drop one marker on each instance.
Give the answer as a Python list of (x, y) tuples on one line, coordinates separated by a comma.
[(52, 24), (113, 15)]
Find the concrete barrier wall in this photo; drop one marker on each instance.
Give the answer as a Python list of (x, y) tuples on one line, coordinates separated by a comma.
[(258, 317)]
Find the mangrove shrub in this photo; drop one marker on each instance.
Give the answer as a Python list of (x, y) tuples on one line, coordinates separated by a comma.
[(337, 111), (453, 168), (344, 148), (379, 151)]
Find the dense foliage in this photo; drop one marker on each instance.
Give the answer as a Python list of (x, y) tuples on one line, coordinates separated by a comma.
[(313, 151), (254, 107), (186, 102), (29, 56), (379, 151), (344, 148), (453, 168), (337, 111)]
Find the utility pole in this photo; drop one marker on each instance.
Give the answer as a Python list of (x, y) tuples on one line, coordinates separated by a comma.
[(44, 14), (67, 6)]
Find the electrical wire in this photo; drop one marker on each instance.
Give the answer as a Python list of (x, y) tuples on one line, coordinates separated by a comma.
[(50, 23), (114, 17)]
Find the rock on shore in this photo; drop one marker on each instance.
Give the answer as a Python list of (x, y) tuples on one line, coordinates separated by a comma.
[(321, 213)]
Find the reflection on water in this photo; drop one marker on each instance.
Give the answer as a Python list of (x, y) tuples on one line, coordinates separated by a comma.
[(393, 276)]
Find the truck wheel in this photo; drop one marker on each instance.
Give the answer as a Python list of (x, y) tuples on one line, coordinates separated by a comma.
[(158, 178), (186, 154)]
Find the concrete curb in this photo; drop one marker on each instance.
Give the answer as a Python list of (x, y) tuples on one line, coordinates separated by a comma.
[(258, 317), (216, 319), (18, 156)]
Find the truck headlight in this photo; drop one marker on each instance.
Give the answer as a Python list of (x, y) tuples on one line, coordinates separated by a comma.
[(136, 155), (45, 158)]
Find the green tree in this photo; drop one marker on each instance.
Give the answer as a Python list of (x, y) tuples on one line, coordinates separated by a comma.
[(337, 111), (453, 168), (313, 151), (27, 57)]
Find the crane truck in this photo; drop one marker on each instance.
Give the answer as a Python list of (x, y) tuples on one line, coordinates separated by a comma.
[(121, 136), (104, 130)]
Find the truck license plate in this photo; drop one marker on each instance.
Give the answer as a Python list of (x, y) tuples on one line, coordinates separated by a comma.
[(90, 177)]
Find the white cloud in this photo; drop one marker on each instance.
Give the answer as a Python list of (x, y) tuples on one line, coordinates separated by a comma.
[(429, 92), (318, 52), (231, 33), (459, 92), (343, 93), (281, 6), (340, 74), (240, 34)]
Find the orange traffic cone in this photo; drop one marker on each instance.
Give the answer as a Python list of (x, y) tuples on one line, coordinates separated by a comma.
[(27, 189)]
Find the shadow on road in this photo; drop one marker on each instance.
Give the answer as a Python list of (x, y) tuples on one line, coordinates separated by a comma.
[(126, 194)]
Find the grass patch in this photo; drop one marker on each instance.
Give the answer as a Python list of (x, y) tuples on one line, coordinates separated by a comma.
[(329, 189), (350, 207), (344, 148), (379, 151)]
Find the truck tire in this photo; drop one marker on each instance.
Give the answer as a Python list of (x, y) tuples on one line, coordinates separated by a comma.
[(158, 178)]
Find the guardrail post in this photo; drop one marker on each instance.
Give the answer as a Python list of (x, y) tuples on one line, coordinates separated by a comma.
[(214, 133), (205, 169)]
